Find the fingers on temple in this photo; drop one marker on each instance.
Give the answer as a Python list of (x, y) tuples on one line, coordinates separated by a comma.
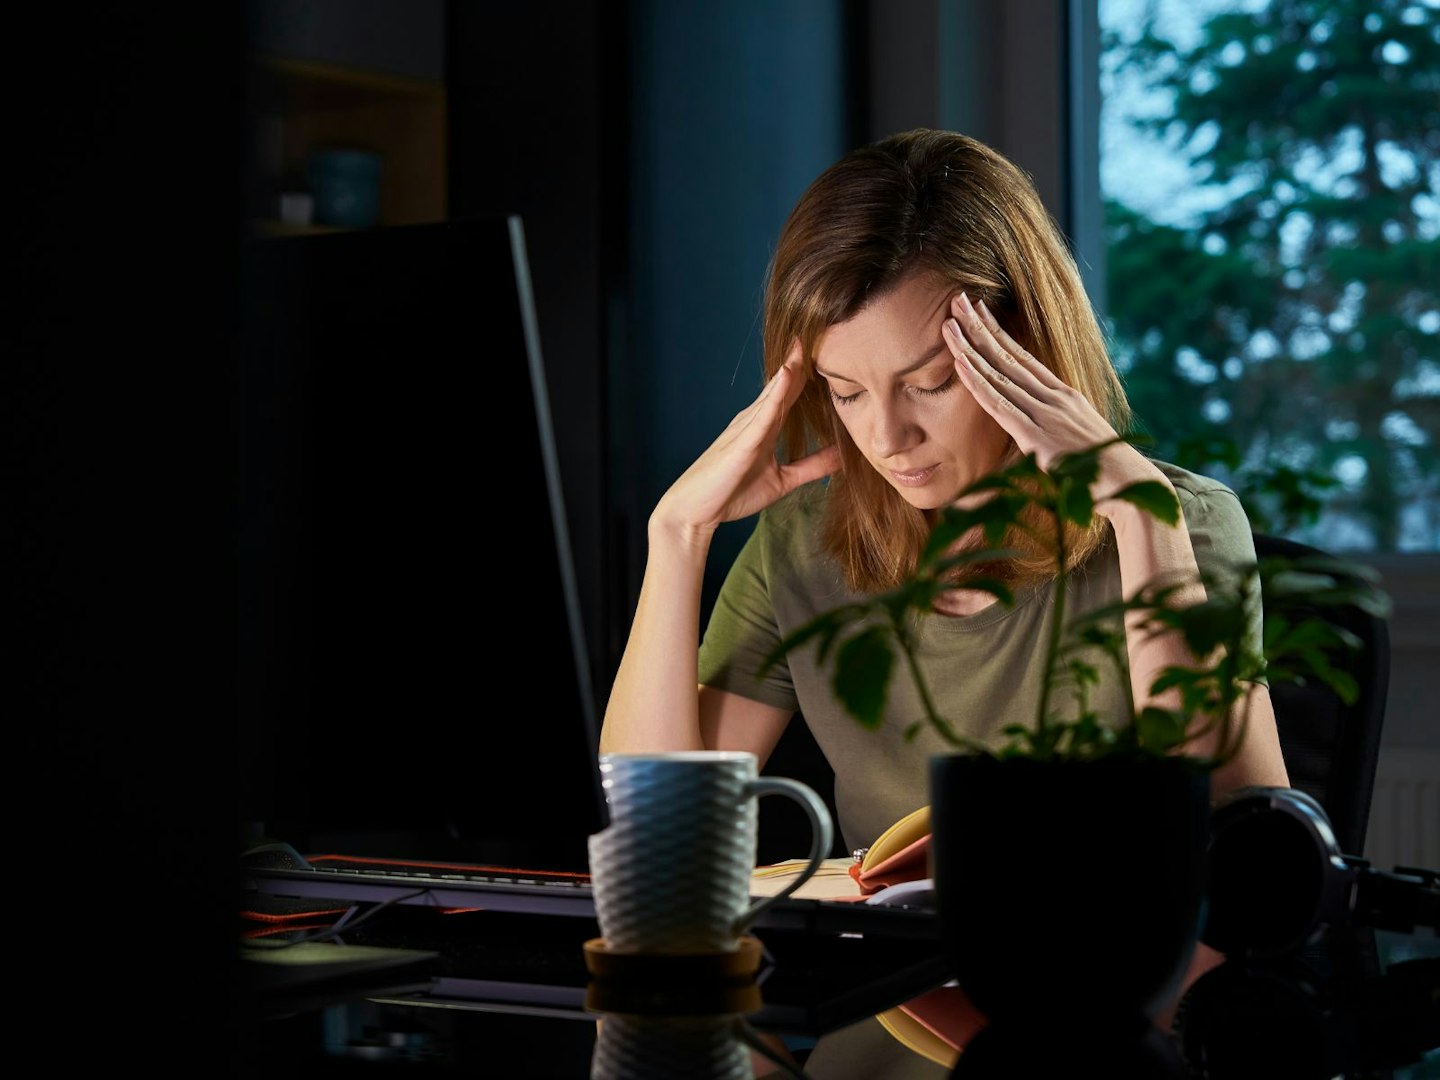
[(1042, 373), (777, 378), (1003, 371), (996, 393), (790, 372), (780, 393)]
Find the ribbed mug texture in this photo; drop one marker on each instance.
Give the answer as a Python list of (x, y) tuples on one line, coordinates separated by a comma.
[(666, 1047), (671, 873)]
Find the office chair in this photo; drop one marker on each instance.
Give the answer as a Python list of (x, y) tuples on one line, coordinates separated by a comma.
[(1331, 749)]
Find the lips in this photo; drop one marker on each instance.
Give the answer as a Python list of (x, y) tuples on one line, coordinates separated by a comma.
[(914, 477)]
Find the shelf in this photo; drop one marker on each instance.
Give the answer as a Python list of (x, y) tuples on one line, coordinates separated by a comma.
[(309, 105), (272, 227)]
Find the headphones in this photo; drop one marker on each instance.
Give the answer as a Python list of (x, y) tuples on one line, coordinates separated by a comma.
[(1278, 879)]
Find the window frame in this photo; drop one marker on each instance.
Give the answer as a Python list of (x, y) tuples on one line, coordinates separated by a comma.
[(1412, 579)]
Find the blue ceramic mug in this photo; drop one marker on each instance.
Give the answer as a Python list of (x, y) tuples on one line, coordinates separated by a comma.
[(345, 183)]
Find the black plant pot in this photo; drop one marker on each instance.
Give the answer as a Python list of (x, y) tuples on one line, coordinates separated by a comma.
[(1068, 889)]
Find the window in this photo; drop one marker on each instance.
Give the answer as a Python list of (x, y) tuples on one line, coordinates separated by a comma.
[(1271, 182)]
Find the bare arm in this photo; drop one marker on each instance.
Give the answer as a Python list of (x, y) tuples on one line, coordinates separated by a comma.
[(731, 722), (1150, 550), (654, 703)]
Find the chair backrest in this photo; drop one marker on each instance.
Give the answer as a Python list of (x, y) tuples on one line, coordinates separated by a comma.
[(1331, 749)]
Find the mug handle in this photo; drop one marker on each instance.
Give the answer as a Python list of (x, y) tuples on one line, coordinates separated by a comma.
[(822, 836)]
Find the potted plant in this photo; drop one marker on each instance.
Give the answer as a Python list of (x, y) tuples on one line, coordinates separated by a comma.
[(1069, 860)]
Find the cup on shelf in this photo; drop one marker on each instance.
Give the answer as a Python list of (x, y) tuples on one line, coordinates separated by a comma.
[(297, 208), (671, 872), (345, 184)]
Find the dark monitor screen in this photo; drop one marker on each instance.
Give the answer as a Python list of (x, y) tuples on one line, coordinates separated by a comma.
[(414, 676)]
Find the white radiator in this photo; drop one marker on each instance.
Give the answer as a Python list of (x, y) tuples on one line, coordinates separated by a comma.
[(1404, 827)]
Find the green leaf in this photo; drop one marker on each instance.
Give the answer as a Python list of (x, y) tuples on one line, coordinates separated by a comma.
[(951, 526), (1075, 503), (1107, 639), (1084, 674), (1343, 683), (1079, 467), (1155, 498), (999, 514), (1211, 624), (1199, 451), (862, 676), (1161, 729), (825, 626), (943, 567), (995, 517), (1316, 633), (1027, 468)]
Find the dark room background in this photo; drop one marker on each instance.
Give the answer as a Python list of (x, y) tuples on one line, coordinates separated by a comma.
[(652, 150)]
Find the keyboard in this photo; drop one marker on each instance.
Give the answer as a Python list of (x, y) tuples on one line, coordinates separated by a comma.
[(357, 879)]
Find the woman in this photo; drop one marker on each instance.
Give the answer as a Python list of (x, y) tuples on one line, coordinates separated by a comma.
[(924, 325)]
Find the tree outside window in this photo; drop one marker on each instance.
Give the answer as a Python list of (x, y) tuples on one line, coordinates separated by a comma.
[(1271, 174)]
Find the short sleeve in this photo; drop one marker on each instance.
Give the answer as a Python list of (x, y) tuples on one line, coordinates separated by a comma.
[(1224, 544), (743, 630)]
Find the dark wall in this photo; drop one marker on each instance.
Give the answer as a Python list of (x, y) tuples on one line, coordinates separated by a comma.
[(735, 108), (652, 151), (119, 467), (537, 127), (397, 37)]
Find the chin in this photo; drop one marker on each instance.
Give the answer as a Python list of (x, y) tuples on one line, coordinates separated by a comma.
[(923, 498)]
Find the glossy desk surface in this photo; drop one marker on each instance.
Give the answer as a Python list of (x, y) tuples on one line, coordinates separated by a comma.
[(482, 993)]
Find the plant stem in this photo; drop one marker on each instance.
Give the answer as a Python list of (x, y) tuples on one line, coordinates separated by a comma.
[(1057, 627), (1122, 670), (932, 714), (1232, 693)]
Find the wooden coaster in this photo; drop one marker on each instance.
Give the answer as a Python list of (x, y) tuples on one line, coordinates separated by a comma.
[(673, 984), (737, 966), (628, 998)]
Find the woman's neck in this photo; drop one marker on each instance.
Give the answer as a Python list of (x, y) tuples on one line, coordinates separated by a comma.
[(958, 602)]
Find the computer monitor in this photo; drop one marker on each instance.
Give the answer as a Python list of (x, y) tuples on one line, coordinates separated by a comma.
[(414, 677)]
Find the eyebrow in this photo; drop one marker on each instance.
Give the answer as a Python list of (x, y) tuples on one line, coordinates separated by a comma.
[(916, 366)]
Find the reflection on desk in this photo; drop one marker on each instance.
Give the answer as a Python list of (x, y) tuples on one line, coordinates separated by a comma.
[(510, 994)]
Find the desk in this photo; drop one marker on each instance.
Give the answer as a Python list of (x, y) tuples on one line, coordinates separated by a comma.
[(507, 994)]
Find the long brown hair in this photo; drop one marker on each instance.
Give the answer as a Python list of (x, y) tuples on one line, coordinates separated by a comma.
[(941, 203)]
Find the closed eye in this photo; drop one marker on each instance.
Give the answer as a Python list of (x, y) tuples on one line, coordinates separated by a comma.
[(919, 391), (944, 387)]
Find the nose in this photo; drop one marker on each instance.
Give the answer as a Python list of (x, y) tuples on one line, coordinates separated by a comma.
[(894, 431)]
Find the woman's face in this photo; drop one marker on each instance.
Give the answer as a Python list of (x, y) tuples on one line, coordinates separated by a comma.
[(892, 379)]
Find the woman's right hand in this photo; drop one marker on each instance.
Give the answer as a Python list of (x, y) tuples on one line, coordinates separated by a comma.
[(739, 474)]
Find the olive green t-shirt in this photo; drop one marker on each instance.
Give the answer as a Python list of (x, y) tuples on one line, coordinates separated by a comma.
[(983, 670)]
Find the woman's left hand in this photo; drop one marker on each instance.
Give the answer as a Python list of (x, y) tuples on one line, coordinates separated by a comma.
[(1041, 413)]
